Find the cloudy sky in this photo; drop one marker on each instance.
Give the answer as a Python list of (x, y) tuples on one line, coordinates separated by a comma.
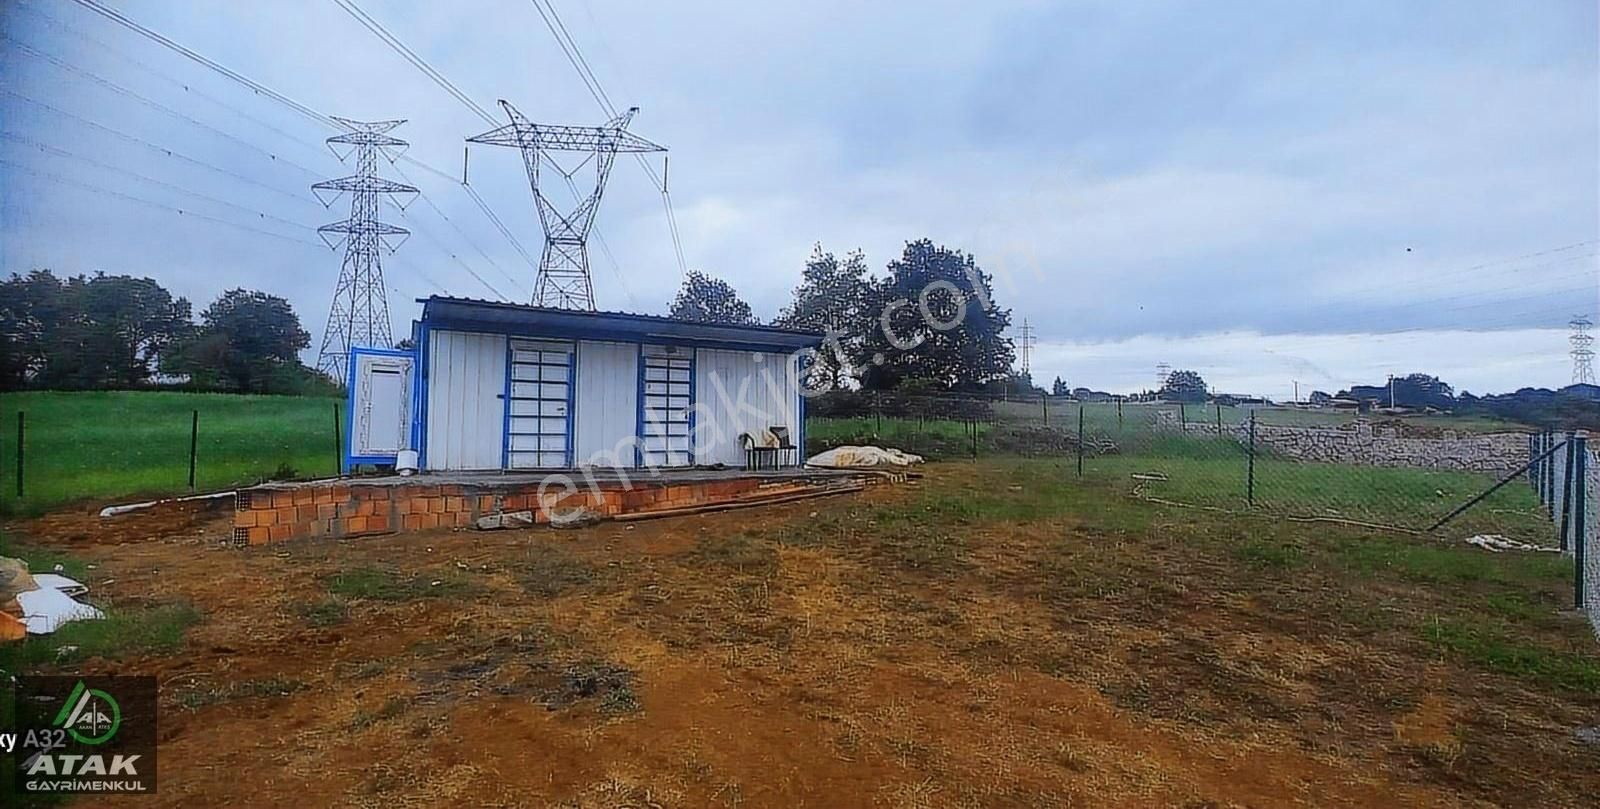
[(1267, 192)]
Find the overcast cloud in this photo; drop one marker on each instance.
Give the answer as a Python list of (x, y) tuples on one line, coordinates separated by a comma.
[(1258, 190)]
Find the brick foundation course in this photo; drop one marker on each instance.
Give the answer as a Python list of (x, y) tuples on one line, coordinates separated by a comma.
[(353, 508)]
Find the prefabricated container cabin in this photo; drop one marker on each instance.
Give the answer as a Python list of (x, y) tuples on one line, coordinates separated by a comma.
[(499, 386)]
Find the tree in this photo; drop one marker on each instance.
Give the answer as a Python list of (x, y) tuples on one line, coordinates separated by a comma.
[(247, 342), (1060, 388), (1411, 390), (105, 331), (1184, 386), (935, 319), (705, 299), (832, 298)]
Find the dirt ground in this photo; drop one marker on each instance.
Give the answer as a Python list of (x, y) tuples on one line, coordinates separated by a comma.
[(966, 640)]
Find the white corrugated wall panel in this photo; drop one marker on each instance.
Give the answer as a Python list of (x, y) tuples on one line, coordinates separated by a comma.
[(466, 415), (739, 392), (607, 403)]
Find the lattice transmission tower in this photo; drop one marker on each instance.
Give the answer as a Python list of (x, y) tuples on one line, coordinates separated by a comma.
[(1582, 353), (1028, 341), (564, 280), (359, 315)]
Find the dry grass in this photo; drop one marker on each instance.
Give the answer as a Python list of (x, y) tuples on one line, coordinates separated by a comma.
[(994, 635)]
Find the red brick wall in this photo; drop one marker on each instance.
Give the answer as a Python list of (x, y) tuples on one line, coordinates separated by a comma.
[(344, 509)]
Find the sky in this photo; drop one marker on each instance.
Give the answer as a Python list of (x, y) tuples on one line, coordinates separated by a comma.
[(1280, 195)]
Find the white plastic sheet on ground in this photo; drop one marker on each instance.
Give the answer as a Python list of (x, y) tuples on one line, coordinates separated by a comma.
[(857, 457), (44, 610), (1497, 544)]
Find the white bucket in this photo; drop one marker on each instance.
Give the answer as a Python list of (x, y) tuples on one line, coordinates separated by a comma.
[(406, 462)]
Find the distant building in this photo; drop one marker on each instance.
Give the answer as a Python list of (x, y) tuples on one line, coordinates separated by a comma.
[(1087, 395)]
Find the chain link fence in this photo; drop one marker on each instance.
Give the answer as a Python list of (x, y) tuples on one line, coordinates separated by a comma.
[(1565, 476), (1412, 474)]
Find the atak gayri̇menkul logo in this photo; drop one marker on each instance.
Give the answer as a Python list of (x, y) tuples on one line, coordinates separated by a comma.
[(82, 735)]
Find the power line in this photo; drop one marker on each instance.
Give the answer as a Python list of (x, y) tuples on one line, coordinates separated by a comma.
[(389, 38), (114, 16), (575, 57), (256, 87), (99, 189), (411, 56), (44, 147), (148, 145), (123, 91), (451, 222), (127, 57)]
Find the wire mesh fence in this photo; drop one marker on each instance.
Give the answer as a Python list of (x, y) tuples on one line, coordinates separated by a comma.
[(57, 449), (1566, 479), (1316, 464)]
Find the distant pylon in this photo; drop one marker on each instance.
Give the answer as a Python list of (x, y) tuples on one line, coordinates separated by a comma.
[(1027, 343), (564, 280), (1163, 371), (1582, 354), (359, 315)]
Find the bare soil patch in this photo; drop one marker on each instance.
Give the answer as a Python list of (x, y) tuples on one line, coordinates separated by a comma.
[(995, 635)]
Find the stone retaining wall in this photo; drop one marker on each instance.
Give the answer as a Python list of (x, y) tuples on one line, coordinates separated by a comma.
[(1359, 443)]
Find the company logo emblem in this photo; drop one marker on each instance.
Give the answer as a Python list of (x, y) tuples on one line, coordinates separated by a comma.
[(89, 715)]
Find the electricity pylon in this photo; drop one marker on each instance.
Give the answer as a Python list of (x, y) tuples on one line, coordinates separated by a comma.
[(359, 315), (564, 280)]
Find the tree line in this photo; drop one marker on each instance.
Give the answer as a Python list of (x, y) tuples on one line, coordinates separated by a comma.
[(929, 323), (91, 332)]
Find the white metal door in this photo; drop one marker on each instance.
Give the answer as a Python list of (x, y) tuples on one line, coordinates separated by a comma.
[(668, 396), (538, 411), (382, 406)]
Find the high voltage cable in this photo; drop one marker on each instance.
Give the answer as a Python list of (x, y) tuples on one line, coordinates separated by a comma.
[(575, 57), (118, 18), (103, 46), (411, 56), (45, 147), (152, 146), (119, 89), (202, 164), (451, 222), (325, 120), (422, 64), (97, 189)]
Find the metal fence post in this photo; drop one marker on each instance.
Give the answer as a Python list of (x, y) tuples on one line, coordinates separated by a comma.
[(1549, 498), (1044, 409), (20, 437), (194, 444), (1250, 464), (1119, 414), (338, 442), (1080, 439), (1575, 505), (1219, 421), (1183, 418), (1565, 516)]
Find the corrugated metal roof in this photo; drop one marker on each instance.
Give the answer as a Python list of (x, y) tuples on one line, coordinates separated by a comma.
[(446, 308)]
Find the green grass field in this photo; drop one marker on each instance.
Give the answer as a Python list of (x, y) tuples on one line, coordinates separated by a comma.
[(1215, 473), (123, 444)]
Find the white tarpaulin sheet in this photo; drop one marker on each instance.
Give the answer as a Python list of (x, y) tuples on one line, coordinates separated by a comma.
[(857, 457), (44, 610)]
